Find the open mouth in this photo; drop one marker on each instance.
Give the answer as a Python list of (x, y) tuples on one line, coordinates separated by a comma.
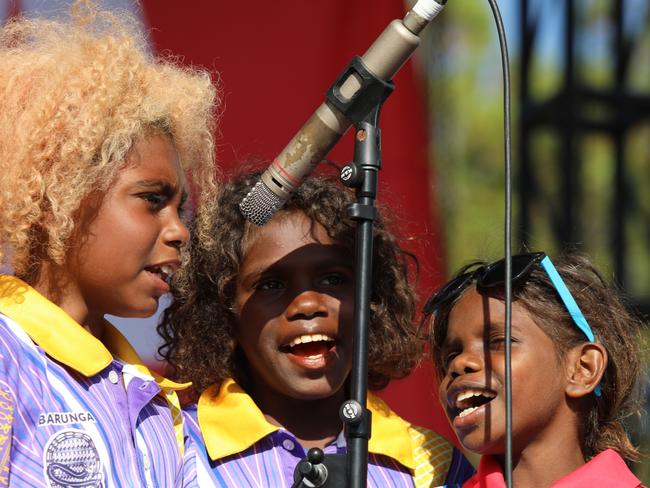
[(309, 345), (164, 272), (467, 401)]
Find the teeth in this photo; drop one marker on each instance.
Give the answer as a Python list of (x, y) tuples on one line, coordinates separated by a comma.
[(463, 400), (166, 272), (473, 393), (303, 339), (467, 411), (468, 394)]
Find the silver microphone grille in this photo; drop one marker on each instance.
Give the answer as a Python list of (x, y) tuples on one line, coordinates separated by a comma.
[(260, 204)]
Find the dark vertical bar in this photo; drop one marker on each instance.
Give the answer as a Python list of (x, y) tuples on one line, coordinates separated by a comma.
[(567, 127), (619, 135)]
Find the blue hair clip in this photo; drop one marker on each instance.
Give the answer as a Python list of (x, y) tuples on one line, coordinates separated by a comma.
[(570, 304)]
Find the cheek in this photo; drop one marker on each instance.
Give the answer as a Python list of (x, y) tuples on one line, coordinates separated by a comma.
[(344, 308), (346, 318), (253, 338), (442, 389), (109, 238)]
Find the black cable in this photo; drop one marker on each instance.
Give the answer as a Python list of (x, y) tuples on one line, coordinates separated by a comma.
[(507, 235)]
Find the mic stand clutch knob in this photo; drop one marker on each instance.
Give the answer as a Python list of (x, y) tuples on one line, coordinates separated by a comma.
[(320, 470), (351, 175), (311, 472)]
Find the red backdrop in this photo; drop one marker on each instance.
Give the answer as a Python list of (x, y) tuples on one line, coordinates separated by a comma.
[(275, 60)]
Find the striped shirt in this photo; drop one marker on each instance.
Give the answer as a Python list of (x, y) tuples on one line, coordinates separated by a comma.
[(244, 450), (72, 414)]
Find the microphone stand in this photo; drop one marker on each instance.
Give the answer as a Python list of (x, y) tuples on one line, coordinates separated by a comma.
[(362, 109), (362, 174)]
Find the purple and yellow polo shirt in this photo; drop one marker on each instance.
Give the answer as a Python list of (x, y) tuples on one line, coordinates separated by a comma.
[(244, 450), (71, 412)]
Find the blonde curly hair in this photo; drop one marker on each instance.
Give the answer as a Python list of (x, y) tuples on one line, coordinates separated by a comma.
[(75, 97)]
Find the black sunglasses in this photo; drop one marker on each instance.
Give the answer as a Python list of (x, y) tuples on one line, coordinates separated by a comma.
[(492, 276), (488, 277)]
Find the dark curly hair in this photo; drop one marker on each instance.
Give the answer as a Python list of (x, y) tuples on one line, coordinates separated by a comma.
[(198, 328), (615, 327)]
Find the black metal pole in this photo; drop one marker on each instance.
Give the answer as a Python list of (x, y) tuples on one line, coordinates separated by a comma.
[(367, 159)]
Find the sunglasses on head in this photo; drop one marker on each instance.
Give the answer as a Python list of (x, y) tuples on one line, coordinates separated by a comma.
[(492, 277)]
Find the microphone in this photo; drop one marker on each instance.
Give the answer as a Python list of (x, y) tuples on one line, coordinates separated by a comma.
[(328, 124)]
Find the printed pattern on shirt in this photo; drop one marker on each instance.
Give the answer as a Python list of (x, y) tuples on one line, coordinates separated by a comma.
[(432, 454), (67, 428), (71, 459), (270, 462), (6, 421)]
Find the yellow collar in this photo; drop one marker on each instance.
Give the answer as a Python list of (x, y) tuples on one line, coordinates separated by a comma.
[(62, 338), (231, 422)]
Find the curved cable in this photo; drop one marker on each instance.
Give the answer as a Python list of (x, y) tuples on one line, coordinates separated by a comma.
[(507, 234)]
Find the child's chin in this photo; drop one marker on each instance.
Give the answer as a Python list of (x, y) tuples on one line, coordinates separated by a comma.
[(481, 446), (140, 311), (313, 394), (312, 390)]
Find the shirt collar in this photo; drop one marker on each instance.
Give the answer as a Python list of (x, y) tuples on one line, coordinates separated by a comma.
[(62, 338), (231, 422), (488, 475), (606, 469)]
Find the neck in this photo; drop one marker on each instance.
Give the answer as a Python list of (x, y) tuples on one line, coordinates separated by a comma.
[(315, 423), (544, 461), (61, 289)]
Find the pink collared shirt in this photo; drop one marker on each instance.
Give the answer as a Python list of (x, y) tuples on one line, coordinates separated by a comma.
[(607, 469)]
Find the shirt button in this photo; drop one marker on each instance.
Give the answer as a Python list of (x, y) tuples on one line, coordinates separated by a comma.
[(288, 444), (146, 462), (112, 376)]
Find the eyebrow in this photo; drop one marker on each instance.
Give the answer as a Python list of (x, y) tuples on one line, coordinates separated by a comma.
[(273, 267), (164, 187)]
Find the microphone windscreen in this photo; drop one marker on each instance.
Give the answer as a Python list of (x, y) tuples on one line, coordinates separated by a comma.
[(260, 204)]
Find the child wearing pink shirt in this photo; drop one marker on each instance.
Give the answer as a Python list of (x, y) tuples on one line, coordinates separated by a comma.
[(575, 367)]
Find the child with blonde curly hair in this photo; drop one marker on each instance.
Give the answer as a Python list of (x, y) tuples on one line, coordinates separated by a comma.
[(576, 351), (99, 145)]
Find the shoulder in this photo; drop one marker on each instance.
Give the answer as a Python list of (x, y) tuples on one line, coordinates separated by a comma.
[(17, 351), (428, 441), (11, 334), (424, 452), (437, 460), (607, 468), (432, 454)]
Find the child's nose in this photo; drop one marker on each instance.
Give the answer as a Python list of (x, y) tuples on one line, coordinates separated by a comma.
[(176, 232), (307, 305), (465, 363)]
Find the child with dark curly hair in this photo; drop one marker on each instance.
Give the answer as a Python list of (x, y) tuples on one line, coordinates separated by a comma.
[(98, 140), (262, 325), (575, 372)]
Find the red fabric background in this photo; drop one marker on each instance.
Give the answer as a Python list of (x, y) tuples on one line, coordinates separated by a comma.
[(275, 61)]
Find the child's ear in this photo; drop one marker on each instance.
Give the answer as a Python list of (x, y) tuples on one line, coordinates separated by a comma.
[(586, 365)]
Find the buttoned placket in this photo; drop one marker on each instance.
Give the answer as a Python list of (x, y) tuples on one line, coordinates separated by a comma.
[(294, 452), (139, 393), (113, 377)]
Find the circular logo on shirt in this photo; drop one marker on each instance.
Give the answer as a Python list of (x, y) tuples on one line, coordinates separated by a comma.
[(71, 459)]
